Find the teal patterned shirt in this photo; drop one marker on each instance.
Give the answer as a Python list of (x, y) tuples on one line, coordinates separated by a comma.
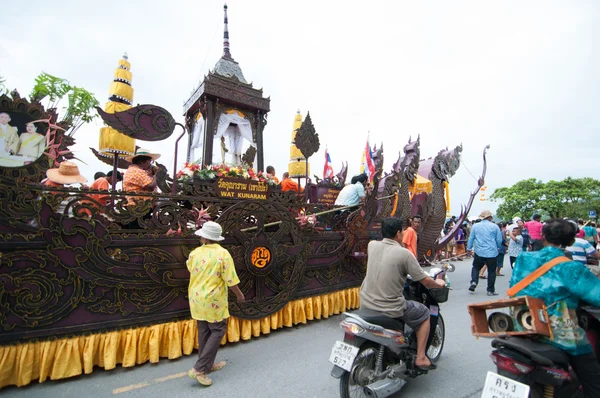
[(561, 288)]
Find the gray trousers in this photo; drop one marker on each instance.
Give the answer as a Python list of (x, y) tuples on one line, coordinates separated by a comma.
[(210, 335)]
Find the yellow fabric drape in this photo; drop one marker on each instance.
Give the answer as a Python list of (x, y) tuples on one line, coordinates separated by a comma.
[(111, 141), (447, 196), (114, 107), (124, 63), (420, 185), (22, 363), (123, 74), (122, 90)]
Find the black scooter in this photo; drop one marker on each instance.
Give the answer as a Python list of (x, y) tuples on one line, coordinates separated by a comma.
[(544, 368), (378, 353)]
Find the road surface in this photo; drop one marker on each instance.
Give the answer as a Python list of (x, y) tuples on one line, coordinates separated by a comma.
[(293, 362)]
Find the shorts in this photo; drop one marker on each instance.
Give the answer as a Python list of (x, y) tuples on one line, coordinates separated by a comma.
[(415, 314)]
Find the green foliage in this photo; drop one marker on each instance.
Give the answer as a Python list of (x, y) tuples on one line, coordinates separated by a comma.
[(571, 197), (80, 102), (50, 86)]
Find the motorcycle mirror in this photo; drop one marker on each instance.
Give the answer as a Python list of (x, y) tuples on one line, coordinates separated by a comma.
[(450, 267)]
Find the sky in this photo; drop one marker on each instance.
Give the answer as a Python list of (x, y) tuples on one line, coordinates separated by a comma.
[(519, 76)]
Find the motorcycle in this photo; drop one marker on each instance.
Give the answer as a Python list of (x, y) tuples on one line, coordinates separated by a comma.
[(377, 356), (543, 367)]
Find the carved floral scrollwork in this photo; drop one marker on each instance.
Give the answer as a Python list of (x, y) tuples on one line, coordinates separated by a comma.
[(38, 295), (143, 122), (252, 224)]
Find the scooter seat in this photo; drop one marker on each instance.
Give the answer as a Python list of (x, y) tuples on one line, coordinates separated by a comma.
[(380, 319), (542, 353)]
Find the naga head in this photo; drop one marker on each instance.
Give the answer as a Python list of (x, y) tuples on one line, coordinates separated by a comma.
[(341, 176), (410, 163), (378, 157), (447, 162)]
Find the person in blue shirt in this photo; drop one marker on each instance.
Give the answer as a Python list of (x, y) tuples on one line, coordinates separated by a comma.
[(485, 241), (353, 193), (561, 288)]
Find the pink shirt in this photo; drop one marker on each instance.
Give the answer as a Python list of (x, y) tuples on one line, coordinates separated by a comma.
[(535, 229)]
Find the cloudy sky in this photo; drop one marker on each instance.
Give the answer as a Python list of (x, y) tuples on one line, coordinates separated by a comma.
[(520, 76)]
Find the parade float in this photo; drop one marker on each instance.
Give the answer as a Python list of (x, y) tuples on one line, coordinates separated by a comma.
[(80, 288)]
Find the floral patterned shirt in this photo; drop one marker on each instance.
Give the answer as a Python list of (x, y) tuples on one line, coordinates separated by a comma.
[(561, 288), (134, 180), (212, 271)]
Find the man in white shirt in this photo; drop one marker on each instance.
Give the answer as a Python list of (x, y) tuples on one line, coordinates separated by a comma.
[(353, 193)]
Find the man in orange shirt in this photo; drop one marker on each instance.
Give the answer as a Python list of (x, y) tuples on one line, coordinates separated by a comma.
[(290, 185), (409, 236)]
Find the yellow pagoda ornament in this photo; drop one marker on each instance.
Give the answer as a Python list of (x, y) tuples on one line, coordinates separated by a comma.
[(297, 165), (120, 99)]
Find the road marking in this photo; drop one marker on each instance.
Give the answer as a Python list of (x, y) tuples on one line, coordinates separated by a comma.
[(148, 383), (175, 376), (129, 388)]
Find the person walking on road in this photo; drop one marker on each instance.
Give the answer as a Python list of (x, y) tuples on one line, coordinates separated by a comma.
[(535, 232), (212, 271), (485, 241)]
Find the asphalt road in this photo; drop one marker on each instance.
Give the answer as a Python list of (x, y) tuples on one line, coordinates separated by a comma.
[(293, 362)]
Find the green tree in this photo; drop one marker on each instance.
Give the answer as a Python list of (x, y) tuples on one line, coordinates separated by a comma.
[(81, 103), (571, 197)]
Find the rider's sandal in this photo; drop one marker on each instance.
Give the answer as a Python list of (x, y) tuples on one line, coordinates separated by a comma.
[(430, 367)]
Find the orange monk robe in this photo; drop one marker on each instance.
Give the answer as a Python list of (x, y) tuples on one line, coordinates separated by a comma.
[(290, 185), (101, 184)]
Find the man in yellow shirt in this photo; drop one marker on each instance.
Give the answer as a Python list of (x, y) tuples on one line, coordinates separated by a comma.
[(212, 271)]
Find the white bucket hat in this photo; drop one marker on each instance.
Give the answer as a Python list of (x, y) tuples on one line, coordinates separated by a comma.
[(143, 152), (211, 231)]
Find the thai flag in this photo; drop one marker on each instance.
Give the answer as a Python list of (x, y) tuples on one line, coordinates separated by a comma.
[(328, 168), (369, 166)]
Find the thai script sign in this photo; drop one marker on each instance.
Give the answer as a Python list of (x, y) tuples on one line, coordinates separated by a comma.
[(261, 257), (236, 188), (323, 195)]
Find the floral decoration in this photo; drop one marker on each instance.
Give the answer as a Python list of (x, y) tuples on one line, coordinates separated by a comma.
[(192, 171)]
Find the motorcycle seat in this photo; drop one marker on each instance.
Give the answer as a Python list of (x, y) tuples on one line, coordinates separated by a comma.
[(542, 353), (380, 319)]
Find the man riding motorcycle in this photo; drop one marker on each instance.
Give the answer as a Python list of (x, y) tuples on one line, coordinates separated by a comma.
[(561, 288), (388, 266)]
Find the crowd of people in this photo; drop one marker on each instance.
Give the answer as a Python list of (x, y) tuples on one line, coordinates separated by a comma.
[(493, 241)]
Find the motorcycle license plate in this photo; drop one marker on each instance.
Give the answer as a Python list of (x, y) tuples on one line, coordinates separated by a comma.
[(497, 386), (343, 355)]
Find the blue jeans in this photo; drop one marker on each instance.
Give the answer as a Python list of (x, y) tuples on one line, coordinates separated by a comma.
[(500, 259)]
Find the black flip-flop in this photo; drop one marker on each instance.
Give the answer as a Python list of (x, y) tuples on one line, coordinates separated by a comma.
[(430, 367)]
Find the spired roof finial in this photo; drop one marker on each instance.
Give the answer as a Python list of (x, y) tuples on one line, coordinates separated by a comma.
[(226, 52)]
